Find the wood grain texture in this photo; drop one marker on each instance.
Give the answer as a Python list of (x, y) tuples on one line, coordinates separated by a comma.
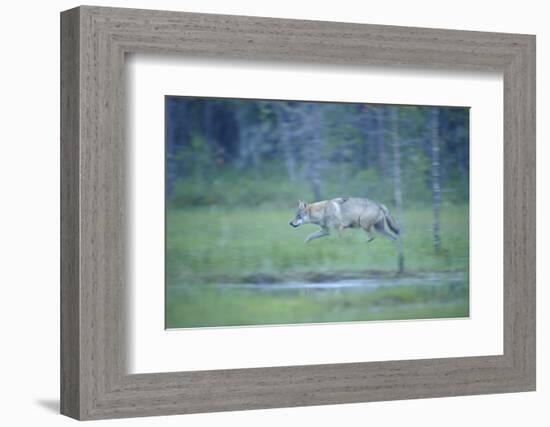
[(94, 382), (70, 292)]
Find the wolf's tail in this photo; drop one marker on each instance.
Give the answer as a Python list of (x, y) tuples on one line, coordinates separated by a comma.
[(390, 220)]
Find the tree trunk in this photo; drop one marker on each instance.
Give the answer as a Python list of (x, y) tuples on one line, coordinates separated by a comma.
[(207, 163), (249, 142), (283, 127), (436, 184), (396, 145), (380, 141), (367, 123), (313, 149)]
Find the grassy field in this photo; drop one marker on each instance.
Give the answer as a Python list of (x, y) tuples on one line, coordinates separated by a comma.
[(209, 247)]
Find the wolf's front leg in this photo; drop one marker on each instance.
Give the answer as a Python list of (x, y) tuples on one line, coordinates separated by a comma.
[(321, 233), (369, 233)]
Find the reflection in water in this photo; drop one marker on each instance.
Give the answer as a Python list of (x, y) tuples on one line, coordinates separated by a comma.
[(358, 284), (427, 279)]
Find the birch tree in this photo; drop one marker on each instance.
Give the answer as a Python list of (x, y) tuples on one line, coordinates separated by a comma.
[(314, 147), (284, 131), (396, 146), (380, 136), (436, 175)]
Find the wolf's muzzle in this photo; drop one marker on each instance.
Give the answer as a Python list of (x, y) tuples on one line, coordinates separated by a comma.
[(292, 224)]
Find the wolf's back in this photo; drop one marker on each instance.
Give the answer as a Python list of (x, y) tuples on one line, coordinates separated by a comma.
[(354, 206)]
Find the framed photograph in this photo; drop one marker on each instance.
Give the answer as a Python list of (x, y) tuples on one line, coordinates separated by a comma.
[(236, 167), (262, 213)]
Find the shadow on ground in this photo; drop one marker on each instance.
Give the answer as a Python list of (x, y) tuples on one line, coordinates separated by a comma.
[(51, 405)]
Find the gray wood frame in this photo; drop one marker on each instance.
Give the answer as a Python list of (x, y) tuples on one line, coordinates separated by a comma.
[(94, 382)]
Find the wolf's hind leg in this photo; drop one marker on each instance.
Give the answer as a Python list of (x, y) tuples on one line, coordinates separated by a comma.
[(321, 233), (367, 226), (381, 228), (368, 230)]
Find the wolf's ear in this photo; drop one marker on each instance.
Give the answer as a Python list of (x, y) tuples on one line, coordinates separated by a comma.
[(301, 204)]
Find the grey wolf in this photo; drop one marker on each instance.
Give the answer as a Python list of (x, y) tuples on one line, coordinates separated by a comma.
[(345, 212)]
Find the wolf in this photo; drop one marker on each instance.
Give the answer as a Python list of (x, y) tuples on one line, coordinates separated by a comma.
[(345, 212)]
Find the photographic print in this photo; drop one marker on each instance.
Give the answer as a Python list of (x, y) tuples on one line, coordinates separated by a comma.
[(294, 212)]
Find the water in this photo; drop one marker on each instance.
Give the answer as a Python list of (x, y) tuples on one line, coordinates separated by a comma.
[(422, 279), (375, 297)]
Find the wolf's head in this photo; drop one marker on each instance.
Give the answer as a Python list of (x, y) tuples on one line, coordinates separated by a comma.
[(302, 215)]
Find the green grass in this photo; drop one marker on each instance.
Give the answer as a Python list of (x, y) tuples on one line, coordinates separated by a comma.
[(234, 245), (210, 247), (203, 305)]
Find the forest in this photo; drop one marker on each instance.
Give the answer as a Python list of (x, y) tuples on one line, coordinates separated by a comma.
[(235, 169)]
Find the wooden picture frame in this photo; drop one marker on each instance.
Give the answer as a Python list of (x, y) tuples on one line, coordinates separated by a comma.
[(94, 382)]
